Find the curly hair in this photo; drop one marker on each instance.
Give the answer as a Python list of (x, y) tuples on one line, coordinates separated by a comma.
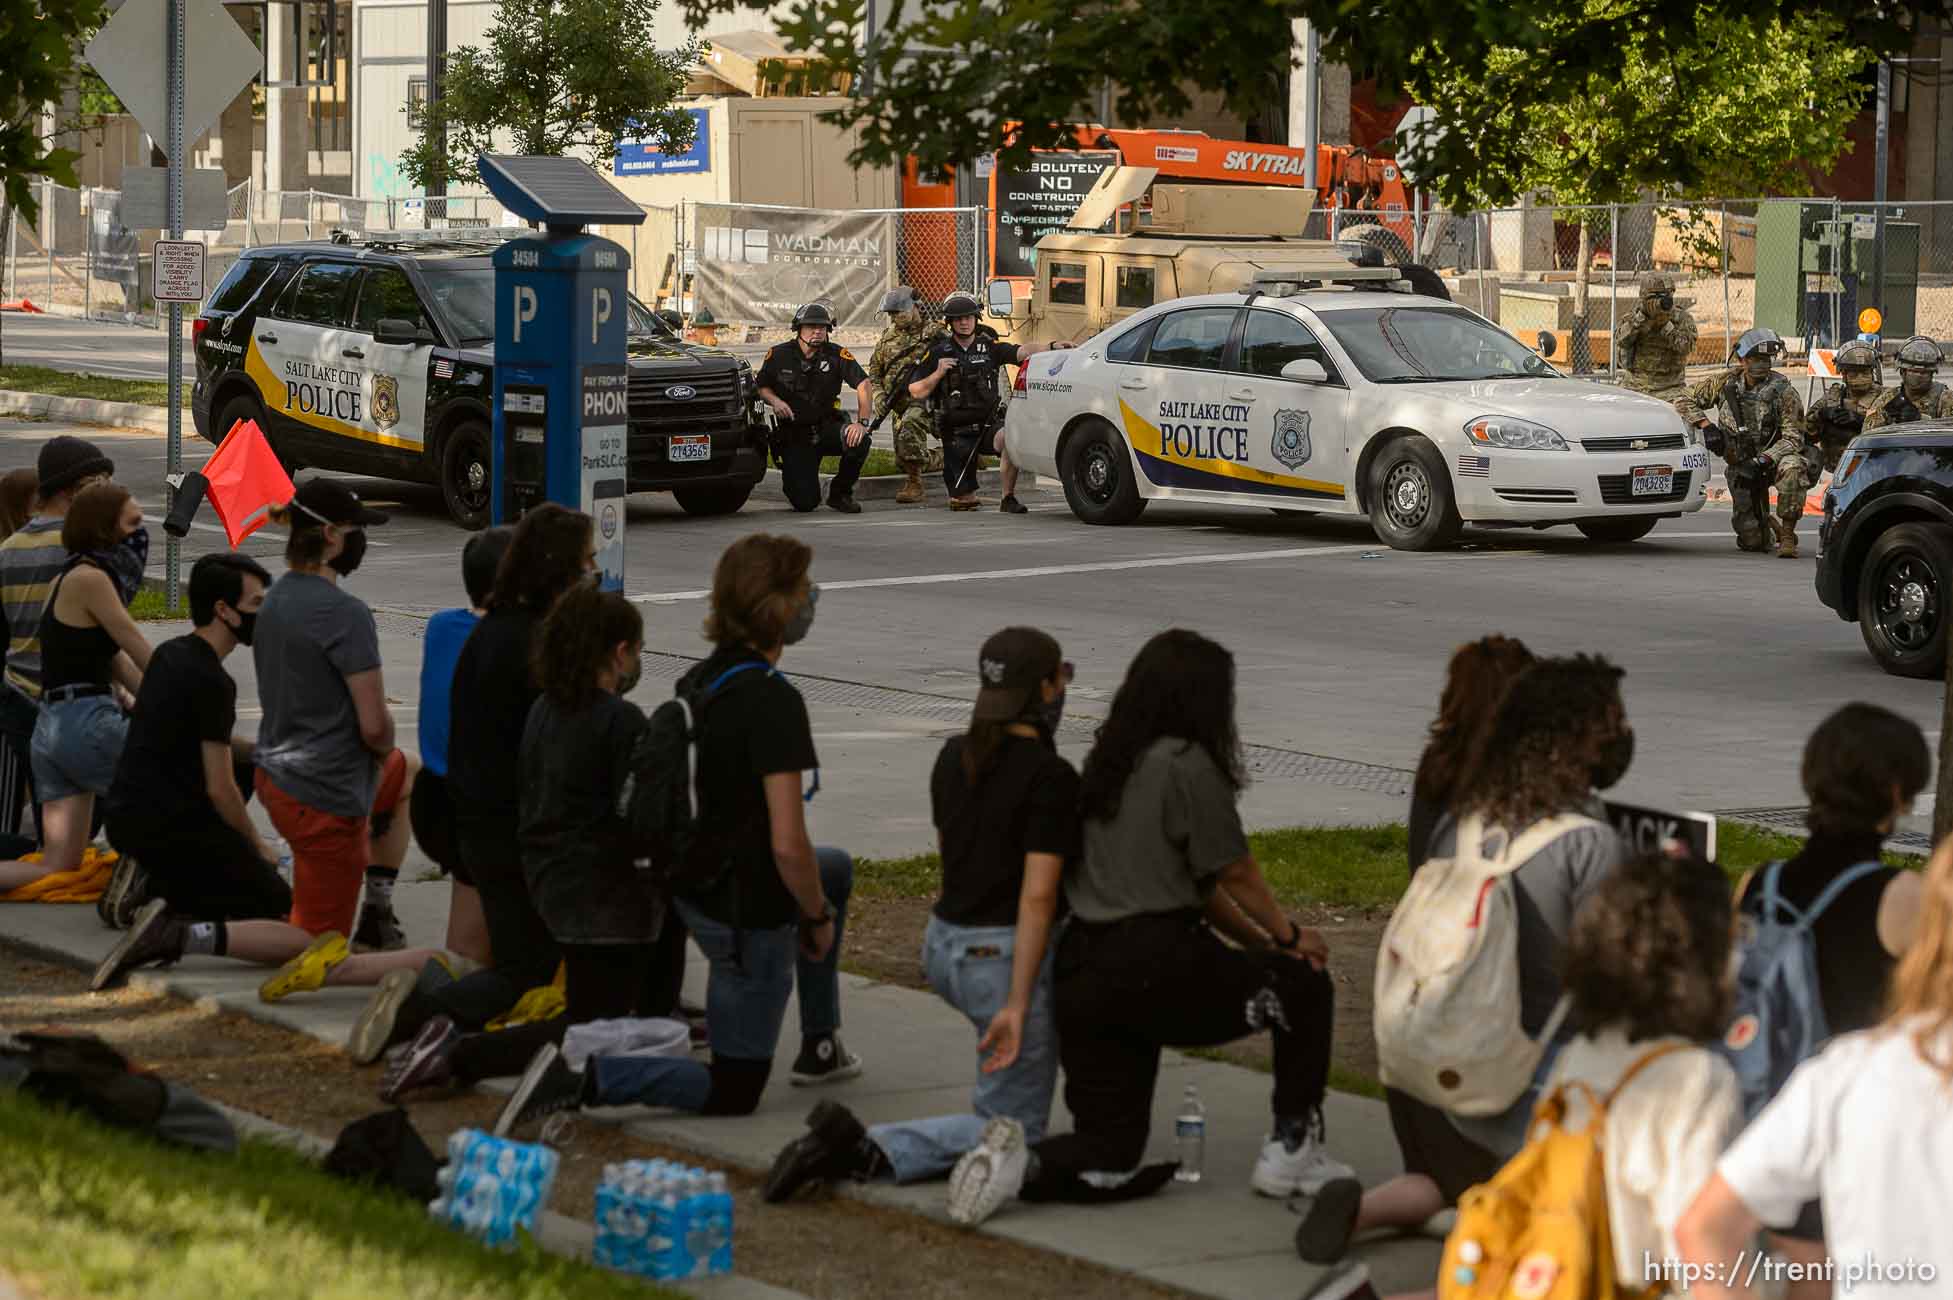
[(1648, 953), (758, 586), (1180, 685), (546, 557), (576, 640), (1480, 673), (1854, 764), (1538, 756)]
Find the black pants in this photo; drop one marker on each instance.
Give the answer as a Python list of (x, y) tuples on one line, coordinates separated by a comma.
[(206, 873), (801, 451), (963, 453), (525, 952), (17, 717), (431, 813), (1128, 989), (601, 982)]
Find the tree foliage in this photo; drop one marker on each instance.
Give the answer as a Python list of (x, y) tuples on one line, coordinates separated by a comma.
[(945, 76), (40, 40), (554, 77)]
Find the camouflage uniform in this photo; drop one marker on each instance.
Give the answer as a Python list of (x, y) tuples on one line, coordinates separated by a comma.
[(896, 353), (1654, 349), (1759, 419), (1895, 406)]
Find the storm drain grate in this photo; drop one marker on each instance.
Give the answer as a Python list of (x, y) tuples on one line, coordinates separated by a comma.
[(1790, 821)]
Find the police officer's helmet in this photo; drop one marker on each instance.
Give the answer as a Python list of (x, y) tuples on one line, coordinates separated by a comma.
[(814, 313), (961, 304), (1920, 353), (1657, 282), (1857, 354), (899, 300), (1760, 339)]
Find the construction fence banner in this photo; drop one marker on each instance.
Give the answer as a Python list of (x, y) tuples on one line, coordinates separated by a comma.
[(763, 263)]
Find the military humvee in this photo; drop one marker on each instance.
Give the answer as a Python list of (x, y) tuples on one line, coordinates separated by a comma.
[(1196, 239)]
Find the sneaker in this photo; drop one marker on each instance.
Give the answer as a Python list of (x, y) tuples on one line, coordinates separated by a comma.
[(425, 1063), (306, 973), (153, 939), (989, 1174), (825, 1153), (378, 929), (824, 1060), (847, 505), (1282, 1173), (965, 503), (128, 890), (1324, 1234), (1010, 505), (374, 1032), (547, 1087), (1352, 1283)]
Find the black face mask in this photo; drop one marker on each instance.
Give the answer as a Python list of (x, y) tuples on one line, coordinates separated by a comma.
[(1615, 757), (350, 554), (628, 682), (246, 626)]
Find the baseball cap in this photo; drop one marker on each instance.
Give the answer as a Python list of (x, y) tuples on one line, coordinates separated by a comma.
[(1011, 665), (328, 501)]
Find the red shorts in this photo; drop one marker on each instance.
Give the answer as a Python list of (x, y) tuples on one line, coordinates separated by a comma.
[(330, 853)]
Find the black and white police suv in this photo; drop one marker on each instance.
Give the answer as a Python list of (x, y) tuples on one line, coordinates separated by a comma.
[(1348, 398), (377, 357)]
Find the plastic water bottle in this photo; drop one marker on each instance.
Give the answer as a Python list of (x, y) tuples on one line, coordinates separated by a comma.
[(1190, 1130), (698, 1224), (721, 1199), (281, 851), (667, 1232)]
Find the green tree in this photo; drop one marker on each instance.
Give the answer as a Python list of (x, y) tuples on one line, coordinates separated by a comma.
[(41, 39), (945, 75), (554, 77)]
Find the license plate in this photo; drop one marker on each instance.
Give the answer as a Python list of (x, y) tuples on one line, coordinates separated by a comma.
[(698, 447), (1653, 480)]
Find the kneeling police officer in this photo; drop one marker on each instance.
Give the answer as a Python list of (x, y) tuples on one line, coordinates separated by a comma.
[(1751, 417), (958, 376), (801, 380)]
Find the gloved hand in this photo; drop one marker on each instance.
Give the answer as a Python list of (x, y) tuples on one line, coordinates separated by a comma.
[(1715, 439), (1762, 467)]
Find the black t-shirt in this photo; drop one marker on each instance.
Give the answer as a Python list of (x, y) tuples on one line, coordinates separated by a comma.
[(575, 852), (489, 705), (1025, 802), (811, 385), (186, 699), (968, 394), (755, 727), (1852, 965)]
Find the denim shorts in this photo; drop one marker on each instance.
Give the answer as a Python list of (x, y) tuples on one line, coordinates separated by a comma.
[(76, 745)]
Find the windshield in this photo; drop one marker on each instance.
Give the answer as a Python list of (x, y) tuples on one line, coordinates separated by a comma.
[(1425, 344), (466, 297), (645, 321)]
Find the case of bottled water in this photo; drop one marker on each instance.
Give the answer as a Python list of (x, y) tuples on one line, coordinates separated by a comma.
[(491, 1188), (662, 1220)]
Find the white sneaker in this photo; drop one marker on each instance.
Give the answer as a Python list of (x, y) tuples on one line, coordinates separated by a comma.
[(989, 1174), (1282, 1173)]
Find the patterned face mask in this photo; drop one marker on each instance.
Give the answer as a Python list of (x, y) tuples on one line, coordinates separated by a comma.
[(124, 562)]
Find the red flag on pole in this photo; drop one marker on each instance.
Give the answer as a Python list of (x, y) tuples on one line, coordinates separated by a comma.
[(246, 481)]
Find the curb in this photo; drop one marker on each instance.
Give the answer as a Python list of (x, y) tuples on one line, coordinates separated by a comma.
[(881, 487), (88, 410)]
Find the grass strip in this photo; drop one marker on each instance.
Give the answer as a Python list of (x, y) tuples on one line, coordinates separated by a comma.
[(100, 388), (92, 1213)]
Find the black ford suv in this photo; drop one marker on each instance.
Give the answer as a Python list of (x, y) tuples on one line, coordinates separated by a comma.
[(377, 358), (1885, 548)]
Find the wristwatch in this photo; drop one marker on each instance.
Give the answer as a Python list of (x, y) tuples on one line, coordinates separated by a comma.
[(1295, 937), (816, 922)]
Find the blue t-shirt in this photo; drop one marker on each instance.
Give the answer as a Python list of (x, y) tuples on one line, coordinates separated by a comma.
[(447, 632)]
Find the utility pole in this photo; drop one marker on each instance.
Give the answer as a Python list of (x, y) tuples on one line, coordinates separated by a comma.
[(437, 54), (1304, 96), (1881, 147), (174, 146)]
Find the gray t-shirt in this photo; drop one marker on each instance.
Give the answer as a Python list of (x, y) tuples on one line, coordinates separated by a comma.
[(310, 638), (1548, 888), (1177, 827)]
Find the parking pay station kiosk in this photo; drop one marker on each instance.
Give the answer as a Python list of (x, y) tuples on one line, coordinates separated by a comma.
[(562, 393)]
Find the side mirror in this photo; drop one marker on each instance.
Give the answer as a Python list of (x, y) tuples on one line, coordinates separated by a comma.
[(1547, 344), (1305, 371), (401, 333), (1002, 301)]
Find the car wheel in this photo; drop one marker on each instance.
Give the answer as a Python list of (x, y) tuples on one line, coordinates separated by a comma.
[(467, 478), (722, 500), (1902, 595), (1411, 504), (246, 407), (1098, 478), (1615, 531)]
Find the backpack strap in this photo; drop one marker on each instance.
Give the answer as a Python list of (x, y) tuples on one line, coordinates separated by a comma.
[(1542, 835), (695, 719), (1641, 1063), (1838, 885)]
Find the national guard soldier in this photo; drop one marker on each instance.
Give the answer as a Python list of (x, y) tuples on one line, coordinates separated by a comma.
[(801, 380), (1839, 415), (959, 378), (908, 336), (1656, 340), (1751, 417), (1918, 396)]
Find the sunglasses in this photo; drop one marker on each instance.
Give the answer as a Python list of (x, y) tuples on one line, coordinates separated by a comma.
[(1066, 671)]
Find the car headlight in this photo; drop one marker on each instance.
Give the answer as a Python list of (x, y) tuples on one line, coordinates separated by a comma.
[(1513, 434)]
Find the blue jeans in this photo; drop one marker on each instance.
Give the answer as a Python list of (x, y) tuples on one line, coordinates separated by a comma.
[(753, 973), (970, 967)]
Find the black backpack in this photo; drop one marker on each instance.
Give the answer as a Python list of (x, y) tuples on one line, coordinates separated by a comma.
[(659, 801)]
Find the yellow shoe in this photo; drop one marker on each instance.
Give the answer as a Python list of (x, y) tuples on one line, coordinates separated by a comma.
[(306, 972)]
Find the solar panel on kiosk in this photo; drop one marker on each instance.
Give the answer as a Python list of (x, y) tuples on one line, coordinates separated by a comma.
[(558, 192)]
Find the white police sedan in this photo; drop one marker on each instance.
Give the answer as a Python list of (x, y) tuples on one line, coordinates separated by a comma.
[(1418, 413)]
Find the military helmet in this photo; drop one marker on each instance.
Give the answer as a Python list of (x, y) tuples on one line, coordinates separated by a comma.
[(899, 300), (1762, 338), (1857, 353), (814, 313), (1920, 353), (1657, 282), (961, 304)]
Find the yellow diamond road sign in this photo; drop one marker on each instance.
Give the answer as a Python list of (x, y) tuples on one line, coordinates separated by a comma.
[(131, 54)]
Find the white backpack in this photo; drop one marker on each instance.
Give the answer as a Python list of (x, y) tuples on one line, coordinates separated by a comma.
[(1447, 990)]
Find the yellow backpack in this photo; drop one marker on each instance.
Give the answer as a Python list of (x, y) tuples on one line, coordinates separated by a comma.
[(1538, 1230)]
